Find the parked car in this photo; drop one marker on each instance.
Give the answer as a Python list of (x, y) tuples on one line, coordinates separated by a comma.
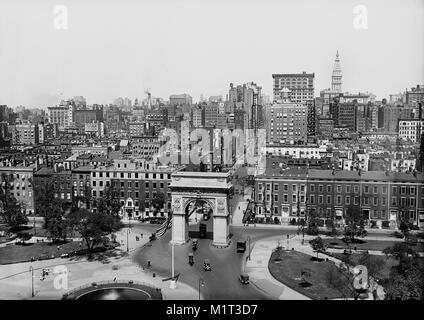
[(244, 278)]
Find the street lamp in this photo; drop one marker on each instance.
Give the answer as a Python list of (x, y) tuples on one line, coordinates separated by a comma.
[(31, 269), (173, 283), (248, 239), (128, 231), (201, 284)]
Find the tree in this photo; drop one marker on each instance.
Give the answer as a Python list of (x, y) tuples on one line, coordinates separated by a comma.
[(158, 201), (312, 227), (401, 251), (405, 281), (52, 209), (317, 245), (355, 228), (405, 227), (94, 226), (11, 210), (109, 202)]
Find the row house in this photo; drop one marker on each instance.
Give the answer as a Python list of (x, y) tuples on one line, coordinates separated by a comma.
[(19, 181), (137, 184), (381, 198)]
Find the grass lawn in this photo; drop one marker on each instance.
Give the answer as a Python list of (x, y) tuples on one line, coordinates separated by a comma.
[(384, 272), (18, 253), (288, 271), (367, 245)]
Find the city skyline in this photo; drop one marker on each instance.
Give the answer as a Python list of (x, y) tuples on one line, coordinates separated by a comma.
[(111, 50)]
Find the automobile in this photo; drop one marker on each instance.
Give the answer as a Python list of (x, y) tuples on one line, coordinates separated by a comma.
[(241, 246), (152, 237), (207, 265), (64, 255), (244, 278)]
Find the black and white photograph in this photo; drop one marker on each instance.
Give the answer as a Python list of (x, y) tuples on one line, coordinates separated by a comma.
[(210, 154)]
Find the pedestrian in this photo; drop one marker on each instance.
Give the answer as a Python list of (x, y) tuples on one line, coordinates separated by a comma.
[(114, 279), (141, 235)]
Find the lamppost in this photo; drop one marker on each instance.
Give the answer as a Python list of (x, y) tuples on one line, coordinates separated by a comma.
[(173, 283), (31, 269), (201, 284), (128, 231), (248, 239), (35, 230)]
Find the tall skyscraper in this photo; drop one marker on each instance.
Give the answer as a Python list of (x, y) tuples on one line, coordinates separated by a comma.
[(336, 78)]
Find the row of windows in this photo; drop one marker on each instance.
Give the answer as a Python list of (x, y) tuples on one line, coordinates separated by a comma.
[(129, 175), (411, 190), (348, 200), (129, 184)]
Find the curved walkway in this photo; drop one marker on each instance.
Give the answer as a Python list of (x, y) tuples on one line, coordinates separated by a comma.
[(257, 269)]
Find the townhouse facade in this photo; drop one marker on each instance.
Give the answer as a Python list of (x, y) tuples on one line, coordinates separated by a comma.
[(381, 198)]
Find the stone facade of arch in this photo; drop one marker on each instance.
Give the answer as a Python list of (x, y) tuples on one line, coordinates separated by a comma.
[(211, 187)]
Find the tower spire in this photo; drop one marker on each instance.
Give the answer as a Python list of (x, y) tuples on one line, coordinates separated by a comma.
[(336, 78)]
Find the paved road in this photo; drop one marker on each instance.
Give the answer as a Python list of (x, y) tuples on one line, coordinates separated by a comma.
[(222, 282)]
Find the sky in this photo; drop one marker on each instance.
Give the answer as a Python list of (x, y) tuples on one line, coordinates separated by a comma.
[(122, 48)]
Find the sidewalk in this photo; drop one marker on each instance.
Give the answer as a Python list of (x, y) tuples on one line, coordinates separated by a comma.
[(15, 279), (257, 269)]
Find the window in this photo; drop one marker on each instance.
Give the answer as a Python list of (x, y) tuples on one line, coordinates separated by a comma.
[(339, 200), (286, 187), (286, 198), (129, 184), (366, 202), (347, 189), (384, 189), (366, 189), (328, 188), (383, 201), (320, 188), (122, 194), (302, 188), (375, 189), (276, 187), (412, 202), (122, 175), (147, 185), (356, 189), (294, 198), (394, 190), (294, 187), (268, 197), (356, 201), (394, 201), (339, 189), (154, 185), (375, 201), (122, 184), (328, 199), (94, 183), (275, 197), (320, 199), (412, 191), (268, 186), (403, 190), (347, 200), (260, 197), (312, 187)]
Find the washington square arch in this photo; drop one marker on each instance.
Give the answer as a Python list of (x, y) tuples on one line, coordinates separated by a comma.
[(212, 188)]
